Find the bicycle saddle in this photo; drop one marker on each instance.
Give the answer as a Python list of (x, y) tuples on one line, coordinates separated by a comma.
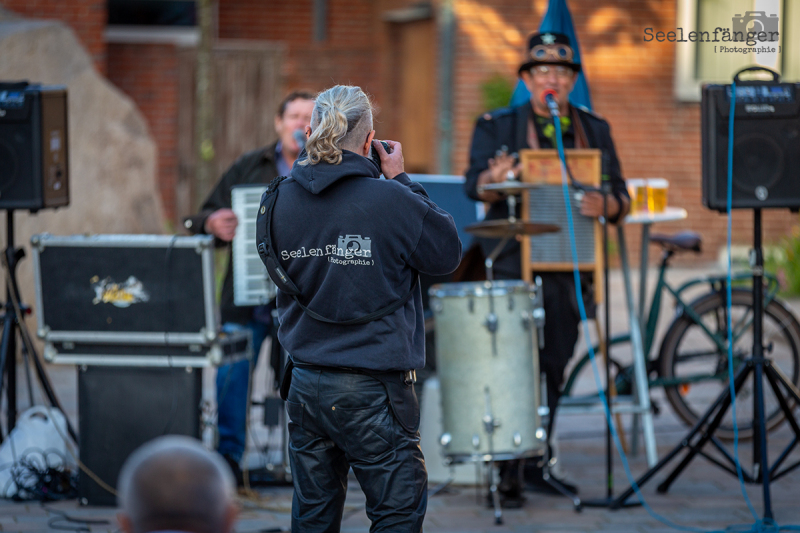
[(685, 240)]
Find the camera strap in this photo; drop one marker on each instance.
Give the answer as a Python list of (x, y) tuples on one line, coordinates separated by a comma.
[(282, 280)]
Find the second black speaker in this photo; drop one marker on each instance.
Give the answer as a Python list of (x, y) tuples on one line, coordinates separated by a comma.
[(34, 165), (766, 145)]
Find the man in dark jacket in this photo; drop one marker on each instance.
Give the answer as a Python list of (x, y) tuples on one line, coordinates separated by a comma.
[(353, 244), (499, 135), (216, 218)]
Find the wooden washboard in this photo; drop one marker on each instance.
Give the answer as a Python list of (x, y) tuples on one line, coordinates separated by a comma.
[(550, 252)]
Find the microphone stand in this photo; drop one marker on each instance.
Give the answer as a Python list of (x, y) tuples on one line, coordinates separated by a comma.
[(609, 499), (552, 105)]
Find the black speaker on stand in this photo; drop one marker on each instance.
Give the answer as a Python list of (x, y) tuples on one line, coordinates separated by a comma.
[(765, 173), (34, 165), (34, 174), (766, 144)]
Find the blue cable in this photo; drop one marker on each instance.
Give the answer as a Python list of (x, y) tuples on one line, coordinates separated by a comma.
[(759, 526)]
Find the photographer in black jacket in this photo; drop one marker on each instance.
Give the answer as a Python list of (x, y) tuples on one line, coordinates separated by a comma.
[(353, 244)]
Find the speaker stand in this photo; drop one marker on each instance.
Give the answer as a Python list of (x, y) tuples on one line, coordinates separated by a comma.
[(703, 431), (13, 323)]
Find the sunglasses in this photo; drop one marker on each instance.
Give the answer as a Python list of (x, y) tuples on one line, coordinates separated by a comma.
[(552, 52), (560, 70)]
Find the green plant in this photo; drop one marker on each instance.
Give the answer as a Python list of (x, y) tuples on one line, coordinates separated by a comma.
[(784, 261), (496, 92)]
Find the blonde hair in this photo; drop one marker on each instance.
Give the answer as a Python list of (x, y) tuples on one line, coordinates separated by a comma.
[(341, 120)]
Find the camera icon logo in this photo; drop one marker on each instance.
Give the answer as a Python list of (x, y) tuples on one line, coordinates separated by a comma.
[(754, 22), (354, 245)]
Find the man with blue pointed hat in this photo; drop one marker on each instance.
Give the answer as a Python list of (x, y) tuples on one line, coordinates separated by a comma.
[(549, 65)]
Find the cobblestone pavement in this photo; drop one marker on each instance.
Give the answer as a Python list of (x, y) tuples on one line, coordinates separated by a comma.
[(703, 496)]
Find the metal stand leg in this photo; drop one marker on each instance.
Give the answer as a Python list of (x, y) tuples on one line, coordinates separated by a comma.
[(13, 323), (489, 425), (639, 362), (492, 476), (642, 326)]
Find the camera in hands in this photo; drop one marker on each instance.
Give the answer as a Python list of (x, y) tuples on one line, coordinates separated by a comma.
[(376, 156)]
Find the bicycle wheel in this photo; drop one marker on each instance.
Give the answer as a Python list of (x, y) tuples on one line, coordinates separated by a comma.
[(580, 382), (695, 369)]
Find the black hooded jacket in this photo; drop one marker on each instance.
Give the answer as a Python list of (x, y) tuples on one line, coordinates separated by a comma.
[(352, 243)]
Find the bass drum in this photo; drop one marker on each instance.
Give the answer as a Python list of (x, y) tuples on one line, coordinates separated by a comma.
[(483, 373)]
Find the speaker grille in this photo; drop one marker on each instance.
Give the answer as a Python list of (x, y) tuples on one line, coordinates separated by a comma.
[(757, 161)]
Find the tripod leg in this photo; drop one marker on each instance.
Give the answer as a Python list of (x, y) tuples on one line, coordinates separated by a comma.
[(498, 512), (717, 410), (550, 480), (776, 378), (775, 373), (41, 373), (8, 346), (723, 406), (760, 459)]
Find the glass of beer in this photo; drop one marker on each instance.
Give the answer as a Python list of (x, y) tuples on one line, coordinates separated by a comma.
[(657, 194), (637, 189)]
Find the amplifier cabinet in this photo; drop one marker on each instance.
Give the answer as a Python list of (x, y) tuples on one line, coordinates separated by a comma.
[(121, 408), (766, 145), (126, 299), (34, 148)]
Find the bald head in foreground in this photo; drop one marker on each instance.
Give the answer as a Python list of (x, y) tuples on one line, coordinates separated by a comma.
[(173, 483)]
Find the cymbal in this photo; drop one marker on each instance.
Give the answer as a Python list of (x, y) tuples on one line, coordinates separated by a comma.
[(509, 186), (502, 228)]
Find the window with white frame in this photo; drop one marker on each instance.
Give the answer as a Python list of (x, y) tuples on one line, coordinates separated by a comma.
[(730, 35)]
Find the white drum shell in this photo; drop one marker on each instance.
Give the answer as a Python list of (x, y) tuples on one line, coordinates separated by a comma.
[(472, 375)]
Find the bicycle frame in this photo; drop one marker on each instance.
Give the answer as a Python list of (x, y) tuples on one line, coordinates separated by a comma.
[(717, 284)]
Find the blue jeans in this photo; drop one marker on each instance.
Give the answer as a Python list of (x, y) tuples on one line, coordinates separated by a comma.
[(232, 393)]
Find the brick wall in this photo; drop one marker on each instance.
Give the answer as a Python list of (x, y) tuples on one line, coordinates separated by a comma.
[(148, 73), (631, 81), (86, 17), (348, 55)]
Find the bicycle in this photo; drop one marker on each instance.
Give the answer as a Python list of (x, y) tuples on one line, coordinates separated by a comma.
[(692, 361)]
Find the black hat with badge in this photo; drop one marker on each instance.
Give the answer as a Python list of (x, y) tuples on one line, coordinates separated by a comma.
[(549, 48)]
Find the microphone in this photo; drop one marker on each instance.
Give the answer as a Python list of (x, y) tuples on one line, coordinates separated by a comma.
[(300, 138), (549, 99)]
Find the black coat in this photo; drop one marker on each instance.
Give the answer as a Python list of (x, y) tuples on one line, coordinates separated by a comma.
[(353, 243), (509, 127)]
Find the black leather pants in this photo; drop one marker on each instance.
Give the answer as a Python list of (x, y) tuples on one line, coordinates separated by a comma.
[(341, 420)]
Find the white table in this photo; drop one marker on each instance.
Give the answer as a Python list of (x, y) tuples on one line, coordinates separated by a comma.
[(637, 321)]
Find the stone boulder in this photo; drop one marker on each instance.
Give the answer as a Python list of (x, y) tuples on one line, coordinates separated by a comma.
[(112, 174)]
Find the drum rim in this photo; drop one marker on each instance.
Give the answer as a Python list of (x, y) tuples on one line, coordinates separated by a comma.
[(460, 458), (478, 288)]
